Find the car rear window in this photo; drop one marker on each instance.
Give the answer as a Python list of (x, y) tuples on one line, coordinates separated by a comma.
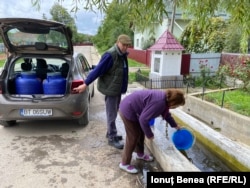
[(53, 38)]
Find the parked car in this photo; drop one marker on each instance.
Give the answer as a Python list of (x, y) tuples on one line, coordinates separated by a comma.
[(40, 72)]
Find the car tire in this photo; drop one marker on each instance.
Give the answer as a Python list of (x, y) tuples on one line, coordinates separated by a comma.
[(93, 93), (8, 123), (84, 120)]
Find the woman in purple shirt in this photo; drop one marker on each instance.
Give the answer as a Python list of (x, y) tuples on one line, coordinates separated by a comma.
[(136, 110)]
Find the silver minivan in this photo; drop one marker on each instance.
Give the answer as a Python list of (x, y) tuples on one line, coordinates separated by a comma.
[(40, 72)]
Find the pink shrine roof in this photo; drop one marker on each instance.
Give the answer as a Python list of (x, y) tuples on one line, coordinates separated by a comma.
[(167, 42)]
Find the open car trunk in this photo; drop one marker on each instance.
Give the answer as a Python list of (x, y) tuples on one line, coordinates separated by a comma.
[(33, 77)]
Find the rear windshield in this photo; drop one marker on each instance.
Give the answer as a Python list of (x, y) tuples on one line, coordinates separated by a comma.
[(52, 38)]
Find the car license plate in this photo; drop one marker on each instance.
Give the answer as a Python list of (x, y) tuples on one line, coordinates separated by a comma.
[(36, 112)]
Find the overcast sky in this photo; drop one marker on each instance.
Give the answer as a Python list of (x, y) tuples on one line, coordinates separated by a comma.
[(87, 22)]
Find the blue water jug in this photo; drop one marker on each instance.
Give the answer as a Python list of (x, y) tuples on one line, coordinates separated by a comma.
[(27, 83), (54, 84)]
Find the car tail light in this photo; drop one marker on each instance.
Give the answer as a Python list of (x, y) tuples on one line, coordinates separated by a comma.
[(77, 113), (76, 83)]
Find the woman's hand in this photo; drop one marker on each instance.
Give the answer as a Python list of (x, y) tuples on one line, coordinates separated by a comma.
[(178, 127)]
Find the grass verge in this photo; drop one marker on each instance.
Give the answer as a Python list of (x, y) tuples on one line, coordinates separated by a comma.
[(234, 100)]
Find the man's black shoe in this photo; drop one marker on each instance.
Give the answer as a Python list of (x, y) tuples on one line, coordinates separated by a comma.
[(118, 137), (115, 143)]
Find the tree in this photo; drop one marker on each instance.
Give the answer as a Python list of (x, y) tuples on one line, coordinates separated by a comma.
[(200, 40), (115, 23), (238, 10), (232, 42), (149, 11), (60, 14)]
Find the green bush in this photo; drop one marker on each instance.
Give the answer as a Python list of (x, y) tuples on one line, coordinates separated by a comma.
[(240, 71)]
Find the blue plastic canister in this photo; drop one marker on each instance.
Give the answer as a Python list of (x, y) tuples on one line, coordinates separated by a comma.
[(27, 83), (55, 83)]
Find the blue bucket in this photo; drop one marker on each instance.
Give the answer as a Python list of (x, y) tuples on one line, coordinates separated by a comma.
[(183, 139)]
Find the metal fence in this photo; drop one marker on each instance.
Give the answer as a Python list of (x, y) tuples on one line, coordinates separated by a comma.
[(201, 83), (158, 83), (163, 83)]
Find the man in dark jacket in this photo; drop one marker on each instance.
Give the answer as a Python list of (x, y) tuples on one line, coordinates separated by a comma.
[(112, 74)]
